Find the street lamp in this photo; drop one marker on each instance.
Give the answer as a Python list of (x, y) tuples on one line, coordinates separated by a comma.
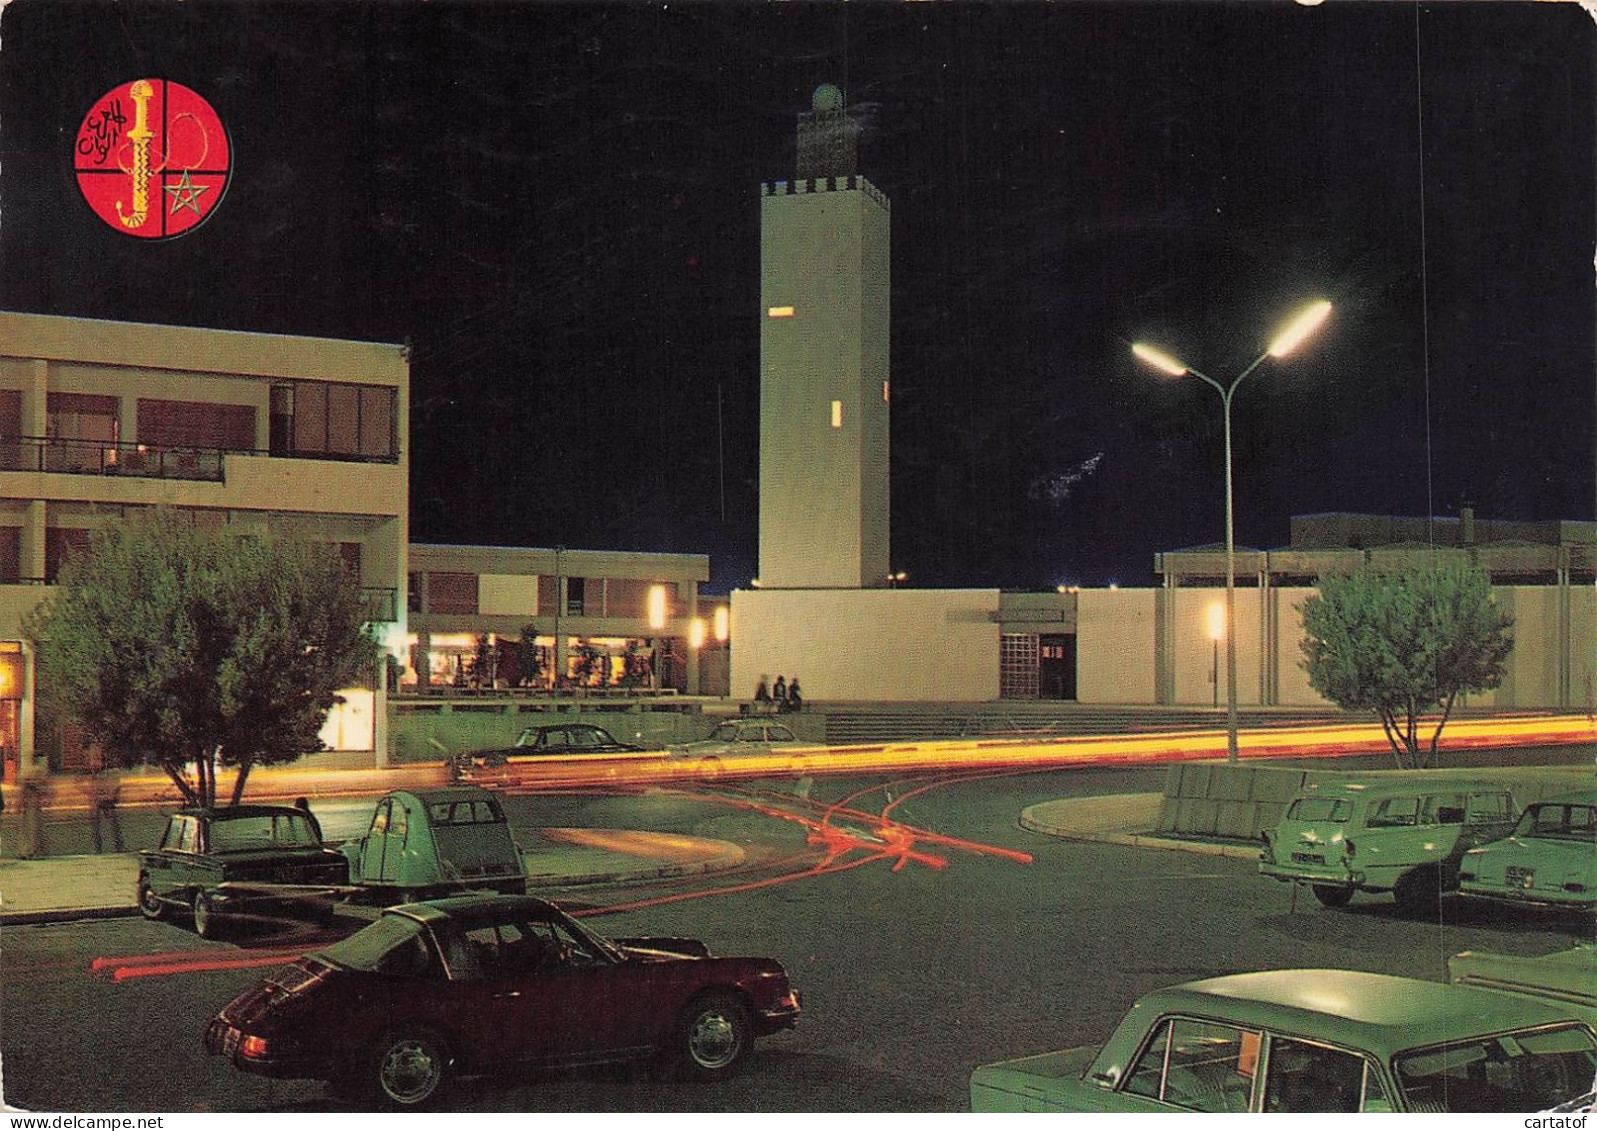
[(1304, 323)]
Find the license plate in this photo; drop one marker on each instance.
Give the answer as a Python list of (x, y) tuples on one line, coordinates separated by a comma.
[(230, 1041), (1307, 858), (1521, 877)]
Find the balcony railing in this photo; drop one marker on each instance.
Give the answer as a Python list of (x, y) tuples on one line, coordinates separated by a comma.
[(97, 457)]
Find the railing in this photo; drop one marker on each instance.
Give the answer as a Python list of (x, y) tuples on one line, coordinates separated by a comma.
[(98, 457), (147, 461)]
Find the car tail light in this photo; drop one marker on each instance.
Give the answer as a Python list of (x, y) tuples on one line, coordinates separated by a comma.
[(252, 1047)]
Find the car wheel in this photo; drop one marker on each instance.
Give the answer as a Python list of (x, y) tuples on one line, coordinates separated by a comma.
[(150, 904), (1332, 896), (207, 920), (1419, 892), (713, 1035), (409, 1067)]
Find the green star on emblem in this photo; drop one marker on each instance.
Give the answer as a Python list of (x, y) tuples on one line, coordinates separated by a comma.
[(186, 194)]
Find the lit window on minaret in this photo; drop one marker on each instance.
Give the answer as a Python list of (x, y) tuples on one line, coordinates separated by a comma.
[(885, 397), (780, 312), (837, 414)]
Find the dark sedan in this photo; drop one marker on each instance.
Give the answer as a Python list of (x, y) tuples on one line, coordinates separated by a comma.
[(467, 985), (553, 740), (204, 852)]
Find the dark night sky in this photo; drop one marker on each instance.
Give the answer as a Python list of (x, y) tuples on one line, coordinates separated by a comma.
[(557, 205)]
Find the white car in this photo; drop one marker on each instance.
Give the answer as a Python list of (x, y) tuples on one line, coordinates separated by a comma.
[(739, 739)]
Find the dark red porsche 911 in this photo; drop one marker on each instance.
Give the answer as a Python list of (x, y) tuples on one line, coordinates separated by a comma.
[(467, 985)]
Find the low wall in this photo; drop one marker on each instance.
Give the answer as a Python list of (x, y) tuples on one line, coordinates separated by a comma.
[(423, 730), (1240, 802)]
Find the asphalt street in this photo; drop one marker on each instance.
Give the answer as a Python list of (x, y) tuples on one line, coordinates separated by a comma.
[(966, 939)]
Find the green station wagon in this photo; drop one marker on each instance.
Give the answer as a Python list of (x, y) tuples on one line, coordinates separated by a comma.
[(1550, 858), (1385, 834), (1312, 1041)]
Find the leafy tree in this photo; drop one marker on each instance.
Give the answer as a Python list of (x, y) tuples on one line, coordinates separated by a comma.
[(196, 649), (1403, 643)]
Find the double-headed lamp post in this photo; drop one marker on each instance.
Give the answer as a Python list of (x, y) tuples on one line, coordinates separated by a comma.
[(1304, 323)]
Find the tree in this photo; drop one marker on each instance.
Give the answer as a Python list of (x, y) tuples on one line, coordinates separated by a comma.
[(1402, 643), (194, 648)]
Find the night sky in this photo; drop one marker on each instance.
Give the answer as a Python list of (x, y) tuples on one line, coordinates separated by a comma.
[(556, 205)]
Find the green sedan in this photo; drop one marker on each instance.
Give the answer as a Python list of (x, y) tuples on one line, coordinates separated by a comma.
[(1312, 1041), (1550, 858)]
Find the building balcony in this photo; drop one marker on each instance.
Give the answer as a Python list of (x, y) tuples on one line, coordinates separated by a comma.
[(97, 457)]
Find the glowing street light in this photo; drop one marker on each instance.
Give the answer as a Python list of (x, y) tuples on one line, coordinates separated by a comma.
[(1292, 335)]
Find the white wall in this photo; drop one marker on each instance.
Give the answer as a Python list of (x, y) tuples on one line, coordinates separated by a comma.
[(1115, 658), (868, 645)]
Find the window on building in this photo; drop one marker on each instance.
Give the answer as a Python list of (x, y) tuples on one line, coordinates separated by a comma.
[(191, 424), (576, 594), (330, 420), (61, 544), (10, 412), (81, 426), (451, 592), (413, 592), (10, 555)]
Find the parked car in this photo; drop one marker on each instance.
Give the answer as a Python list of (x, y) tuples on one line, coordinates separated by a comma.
[(1568, 977), (1311, 1041), (549, 741), (204, 849), (473, 984), (738, 738), (1402, 835), (1550, 858)]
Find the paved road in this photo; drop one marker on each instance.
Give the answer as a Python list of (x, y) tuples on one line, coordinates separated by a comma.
[(964, 939)]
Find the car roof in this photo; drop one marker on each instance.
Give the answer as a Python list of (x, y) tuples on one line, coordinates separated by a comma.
[(229, 812), (1579, 797), (1377, 1012), (1386, 787), (444, 793), (478, 907)]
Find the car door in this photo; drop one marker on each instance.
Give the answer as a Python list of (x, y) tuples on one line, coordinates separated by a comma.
[(172, 867), (530, 1006), (375, 847)]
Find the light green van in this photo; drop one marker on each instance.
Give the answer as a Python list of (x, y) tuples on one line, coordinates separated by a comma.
[(1402, 835)]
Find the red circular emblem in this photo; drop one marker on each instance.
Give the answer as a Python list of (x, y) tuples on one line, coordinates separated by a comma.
[(152, 158)]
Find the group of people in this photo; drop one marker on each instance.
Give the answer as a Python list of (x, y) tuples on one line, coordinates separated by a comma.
[(782, 696)]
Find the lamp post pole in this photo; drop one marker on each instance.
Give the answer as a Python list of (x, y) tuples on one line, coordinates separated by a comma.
[(1301, 326)]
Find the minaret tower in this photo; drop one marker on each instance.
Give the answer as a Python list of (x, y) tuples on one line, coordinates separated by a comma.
[(824, 307)]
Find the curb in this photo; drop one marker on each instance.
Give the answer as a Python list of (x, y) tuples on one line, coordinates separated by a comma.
[(1248, 851), (65, 915), (546, 880)]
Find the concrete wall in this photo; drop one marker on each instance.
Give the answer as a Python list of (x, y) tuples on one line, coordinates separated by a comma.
[(1242, 801), (868, 645), (1115, 639)]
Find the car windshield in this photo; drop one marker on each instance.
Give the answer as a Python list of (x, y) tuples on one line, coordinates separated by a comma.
[(1531, 1070), (264, 830), (1559, 821), (394, 945), (1335, 809)]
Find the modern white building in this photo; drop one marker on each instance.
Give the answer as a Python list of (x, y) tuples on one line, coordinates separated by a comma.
[(301, 436)]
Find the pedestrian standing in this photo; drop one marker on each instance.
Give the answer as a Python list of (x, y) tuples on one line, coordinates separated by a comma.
[(779, 693), (762, 694), (105, 790), (795, 697)]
